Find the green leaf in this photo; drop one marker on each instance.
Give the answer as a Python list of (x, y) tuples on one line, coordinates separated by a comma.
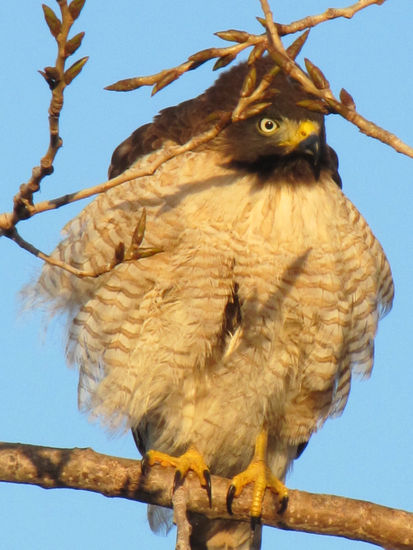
[(297, 45), (254, 109), (314, 105), (317, 77), (169, 77), (74, 70), (73, 44), (223, 61), (232, 35), (249, 83), (53, 22), (256, 53), (75, 7)]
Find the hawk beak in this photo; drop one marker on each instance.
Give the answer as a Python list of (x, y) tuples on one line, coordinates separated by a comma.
[(305, 139), (310, 146)]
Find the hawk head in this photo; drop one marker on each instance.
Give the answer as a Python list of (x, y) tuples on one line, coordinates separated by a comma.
[(284, 139)]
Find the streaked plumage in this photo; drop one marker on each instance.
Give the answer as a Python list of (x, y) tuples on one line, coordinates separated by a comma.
[(264, 302)]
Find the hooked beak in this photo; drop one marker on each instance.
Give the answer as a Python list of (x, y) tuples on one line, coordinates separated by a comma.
[(311, 146), (305, 139)]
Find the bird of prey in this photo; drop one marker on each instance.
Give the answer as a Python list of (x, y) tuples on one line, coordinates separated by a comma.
[(233, 344)]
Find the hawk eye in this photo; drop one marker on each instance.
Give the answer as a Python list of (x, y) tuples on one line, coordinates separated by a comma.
[(267, 126)]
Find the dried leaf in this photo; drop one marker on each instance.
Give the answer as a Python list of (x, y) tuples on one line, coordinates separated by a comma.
[(53, 22), (314, 105), (73, 44), (256, 53), (223, 61), (347, 100), (249, 83), (254, 109), (52, 76), (74, 70), (169, 77), (316, 75), (75, 7), (295, 48), (232, 35), (119, 253)]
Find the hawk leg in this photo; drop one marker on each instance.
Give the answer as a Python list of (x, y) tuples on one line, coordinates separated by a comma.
[(190, 460), (258, 473)]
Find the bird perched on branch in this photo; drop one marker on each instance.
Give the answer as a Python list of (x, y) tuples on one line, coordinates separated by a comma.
[(226, 350)]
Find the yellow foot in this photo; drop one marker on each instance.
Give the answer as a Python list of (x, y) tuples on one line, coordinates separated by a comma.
[(258, 473), (191, 460)]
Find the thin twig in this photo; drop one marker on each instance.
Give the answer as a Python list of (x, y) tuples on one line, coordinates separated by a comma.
[(183, 527), (332, 104), (331, 13)]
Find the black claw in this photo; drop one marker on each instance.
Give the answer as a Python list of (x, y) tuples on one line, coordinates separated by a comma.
[(145, 465), (230, 498), (255, 522), (207, 478), (283, 505), (177, 480)]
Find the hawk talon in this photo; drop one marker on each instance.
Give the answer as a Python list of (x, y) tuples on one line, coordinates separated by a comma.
[(230, 498), (255, 522), (207, 478), (283, 505), (177, 480), (190, 460)]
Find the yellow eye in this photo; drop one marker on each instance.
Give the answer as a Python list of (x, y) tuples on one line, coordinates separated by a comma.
[(267, 126)]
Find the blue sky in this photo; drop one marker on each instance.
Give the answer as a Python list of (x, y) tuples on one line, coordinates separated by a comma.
[(367, 453)]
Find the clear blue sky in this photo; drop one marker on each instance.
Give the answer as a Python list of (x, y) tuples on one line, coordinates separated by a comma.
[(368, 452)]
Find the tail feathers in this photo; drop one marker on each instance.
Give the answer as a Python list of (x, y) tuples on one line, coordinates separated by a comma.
[(207, 534), (223, 535)]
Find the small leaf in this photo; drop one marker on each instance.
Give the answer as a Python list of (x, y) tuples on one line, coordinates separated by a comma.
[(74, 70), (262, 21), (203, 55), (223, 61), (75, 7), (317, 77), (196, 64), (347, 100), (256, 53), (314, 105), (139, 232), (127, 84), (295, 48), (169, 77), (249, 83), (73, 44), (53, 22), (254, 109), (232, 35)]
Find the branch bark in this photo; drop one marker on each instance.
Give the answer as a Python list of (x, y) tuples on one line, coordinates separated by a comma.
[(110, 476)]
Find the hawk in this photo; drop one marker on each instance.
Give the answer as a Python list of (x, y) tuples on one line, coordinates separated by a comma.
[(239, 339)]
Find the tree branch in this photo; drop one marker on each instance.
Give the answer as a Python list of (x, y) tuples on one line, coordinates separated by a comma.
[(110, 476)]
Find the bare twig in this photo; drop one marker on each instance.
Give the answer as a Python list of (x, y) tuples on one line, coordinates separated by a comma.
[(331, 13), (317, 85), (183, 527), (57, 78), (118, 477)]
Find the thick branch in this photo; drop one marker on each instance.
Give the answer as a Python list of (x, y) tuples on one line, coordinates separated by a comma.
[(118, 477)]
